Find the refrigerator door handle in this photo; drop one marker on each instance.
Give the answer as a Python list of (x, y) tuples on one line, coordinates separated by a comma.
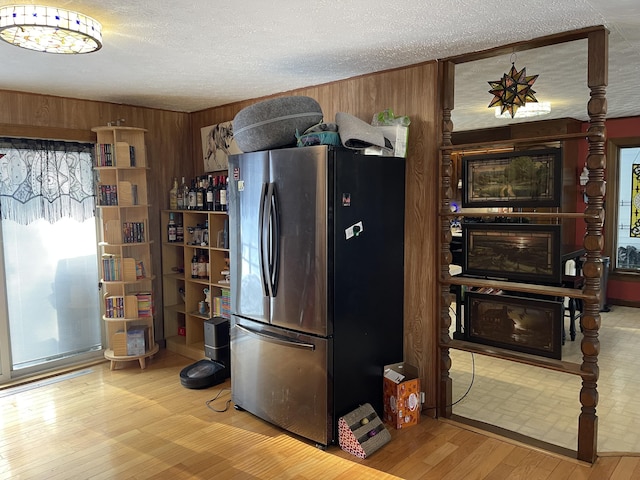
[(276, 339), (274, 239), (262, 239)]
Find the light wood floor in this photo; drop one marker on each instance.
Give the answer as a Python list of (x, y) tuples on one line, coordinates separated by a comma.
[(142, 424)]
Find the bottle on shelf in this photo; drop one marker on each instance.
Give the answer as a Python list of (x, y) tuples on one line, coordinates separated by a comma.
[(173, 195), (185, 194), (192, 196), (194, 264), (200, 194), (172, 232), (222, 185), (205, 233), (180, 196), (203, 261), (216, 193), (179, 229), (210, 203)]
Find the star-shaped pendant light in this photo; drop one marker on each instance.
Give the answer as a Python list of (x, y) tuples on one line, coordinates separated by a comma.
[(513, 90)]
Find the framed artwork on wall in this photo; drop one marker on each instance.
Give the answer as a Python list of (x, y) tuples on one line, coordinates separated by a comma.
[(519, 252), (530, 178), (527, 325), (217, 144)]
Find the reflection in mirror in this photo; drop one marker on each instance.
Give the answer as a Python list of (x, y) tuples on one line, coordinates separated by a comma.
[(562, 82)]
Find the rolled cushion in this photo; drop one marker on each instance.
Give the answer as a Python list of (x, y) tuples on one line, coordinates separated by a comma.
[(273, 123)]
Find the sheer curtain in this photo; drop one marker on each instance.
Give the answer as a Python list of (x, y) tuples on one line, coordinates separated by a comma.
[(49, 247), (43, 179)]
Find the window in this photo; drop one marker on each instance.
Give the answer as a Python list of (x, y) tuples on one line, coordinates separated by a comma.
[(623, 205)]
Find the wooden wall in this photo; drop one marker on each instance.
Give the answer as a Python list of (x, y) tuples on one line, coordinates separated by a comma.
[(174, 149), (168, 146), (408, 91)]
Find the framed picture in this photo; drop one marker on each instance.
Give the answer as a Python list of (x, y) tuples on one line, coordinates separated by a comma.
[(513, 251), (217, 144), (530, 178), (527, 325)]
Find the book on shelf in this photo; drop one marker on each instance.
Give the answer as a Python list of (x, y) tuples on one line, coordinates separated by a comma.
[(114, 307), (226, 302), (140, 272), (108, 195), (133, 232), (132, 155), (111, 267), (134, 194), (145, 304), (104, 155)]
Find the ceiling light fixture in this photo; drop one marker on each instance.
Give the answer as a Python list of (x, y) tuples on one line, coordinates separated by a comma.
[(513, 90), (527, 110), (49, 29)]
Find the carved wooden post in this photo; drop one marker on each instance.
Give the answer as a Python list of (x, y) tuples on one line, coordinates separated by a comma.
[(593, 244), (445, 388)]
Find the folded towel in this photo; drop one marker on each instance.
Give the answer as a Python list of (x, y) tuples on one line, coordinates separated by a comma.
[(358, 135)]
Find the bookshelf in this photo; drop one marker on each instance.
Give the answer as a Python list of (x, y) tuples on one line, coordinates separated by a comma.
[(183, 289), (123, 216)]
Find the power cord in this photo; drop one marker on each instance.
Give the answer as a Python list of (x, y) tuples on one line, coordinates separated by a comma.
[(227, 402), (473, 376)]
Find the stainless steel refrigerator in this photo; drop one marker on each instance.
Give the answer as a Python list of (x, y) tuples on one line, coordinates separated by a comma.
[(317, 247)]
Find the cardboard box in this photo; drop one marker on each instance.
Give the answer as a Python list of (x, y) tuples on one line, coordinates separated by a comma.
[(401, 387)]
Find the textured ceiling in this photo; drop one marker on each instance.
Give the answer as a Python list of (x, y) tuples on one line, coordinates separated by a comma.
[(189, 56)]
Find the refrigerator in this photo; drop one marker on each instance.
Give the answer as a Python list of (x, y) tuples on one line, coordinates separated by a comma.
[(316, 262)]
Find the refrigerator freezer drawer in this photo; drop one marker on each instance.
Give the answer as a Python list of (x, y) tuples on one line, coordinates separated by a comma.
[(282, 377)]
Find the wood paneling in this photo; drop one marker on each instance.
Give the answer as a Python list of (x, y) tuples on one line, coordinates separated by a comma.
[(174, 149), (408, 91), (168, 145)]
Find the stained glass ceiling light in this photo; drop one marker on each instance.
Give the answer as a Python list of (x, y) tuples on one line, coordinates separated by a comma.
[(513, 90), (49, 29)]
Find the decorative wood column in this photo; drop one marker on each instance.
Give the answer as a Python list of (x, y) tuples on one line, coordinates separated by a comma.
[(597, 80), (444, 360)]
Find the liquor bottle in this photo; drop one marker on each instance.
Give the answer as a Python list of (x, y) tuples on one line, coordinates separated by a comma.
[(173, 195), (185, 194), (171, 228), (192, 196), (202, 265), (223, 193), (205, 233), (210, 194), (194, 264), (200, 194), (180, 196), (179, 229), (217, 195)]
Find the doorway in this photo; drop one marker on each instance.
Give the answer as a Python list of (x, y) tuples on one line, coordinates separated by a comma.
[(49, 305), (51, 278)]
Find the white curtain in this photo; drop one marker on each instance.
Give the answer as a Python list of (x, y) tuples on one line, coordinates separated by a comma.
[(43, 179)]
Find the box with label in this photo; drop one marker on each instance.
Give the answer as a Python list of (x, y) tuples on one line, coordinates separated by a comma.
[(401, 387)]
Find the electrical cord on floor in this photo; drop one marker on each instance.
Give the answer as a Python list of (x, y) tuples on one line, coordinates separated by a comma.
[(227, 402), (473, 376)]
